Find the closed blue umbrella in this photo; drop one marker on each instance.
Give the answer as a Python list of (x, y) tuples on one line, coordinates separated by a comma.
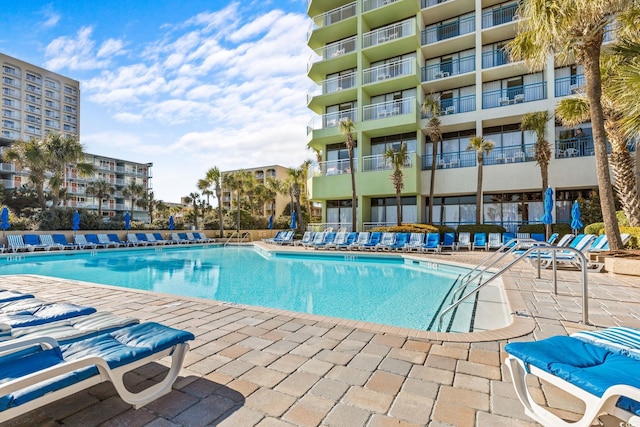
[(270, 222), (576, 223), (293, 220), (4, 220), (547, 218), (172, 224), (127, 221), (75, 226)]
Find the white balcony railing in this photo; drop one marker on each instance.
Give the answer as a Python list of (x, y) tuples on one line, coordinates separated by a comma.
[(383, 110), (389, 33), (378, 162), (391, 70)]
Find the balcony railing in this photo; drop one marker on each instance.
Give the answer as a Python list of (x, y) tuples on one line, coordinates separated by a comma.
[(436, 33), (514, 95), (332, 120), (429, 3), (391, 32), (449, 68), (368, 5), (332, 85), (569, 85), (497, 156), (495, 58), (461, 104), (334, 50), (575, 147), (336, 167), (389, 109), (499, 15), (379, 162), (391, 70), (335, 15)]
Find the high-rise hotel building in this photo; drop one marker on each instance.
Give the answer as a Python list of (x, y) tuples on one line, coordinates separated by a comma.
[(375, 61), (35, 102)]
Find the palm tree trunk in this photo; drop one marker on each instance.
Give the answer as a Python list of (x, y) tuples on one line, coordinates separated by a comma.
[(594, 94), (432, 184), (354, 199), (479, 191), (399, 208), (625, 186), (220, 225)]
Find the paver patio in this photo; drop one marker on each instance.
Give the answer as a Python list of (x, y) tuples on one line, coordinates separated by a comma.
[(252, 366)]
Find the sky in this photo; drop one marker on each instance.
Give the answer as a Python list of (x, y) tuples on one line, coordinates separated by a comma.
[(185, 85)]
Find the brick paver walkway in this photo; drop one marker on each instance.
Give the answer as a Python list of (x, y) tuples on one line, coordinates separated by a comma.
[(259, 367)]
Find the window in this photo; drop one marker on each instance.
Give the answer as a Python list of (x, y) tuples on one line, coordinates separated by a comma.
[(381, 144)]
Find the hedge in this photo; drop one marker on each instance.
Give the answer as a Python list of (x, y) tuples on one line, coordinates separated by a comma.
[(561, 228)]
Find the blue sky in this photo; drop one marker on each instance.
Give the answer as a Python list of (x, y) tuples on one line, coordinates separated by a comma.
[(187, 85)]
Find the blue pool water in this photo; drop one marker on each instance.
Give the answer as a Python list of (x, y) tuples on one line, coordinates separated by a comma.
[(391, 291)]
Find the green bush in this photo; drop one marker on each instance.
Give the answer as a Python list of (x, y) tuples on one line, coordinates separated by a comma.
[(482, 228), (634, 242), (415, 228), (561, 228), (595, 228)]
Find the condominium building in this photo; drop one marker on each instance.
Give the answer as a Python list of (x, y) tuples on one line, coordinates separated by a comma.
[(36, 102), (375, 61), (262, 174)]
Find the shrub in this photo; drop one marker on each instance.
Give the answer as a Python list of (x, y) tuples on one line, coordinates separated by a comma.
[(561, 228), (482, 228), (595, 228), (634, 242), (415, 228)]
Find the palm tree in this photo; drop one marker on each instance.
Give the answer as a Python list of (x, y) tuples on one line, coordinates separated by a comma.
[(570, 29), (203, 186), (537, 122), (575, 110), (62, 151), (431, 107), (215, 177), (397, 158), (346, 128), (306, 168), (134, 192), (31, 155), (149, 201), (102, 190), (233, 181), (480, 146), (296, 177)]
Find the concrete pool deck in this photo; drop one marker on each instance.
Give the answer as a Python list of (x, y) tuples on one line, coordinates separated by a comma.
[(251, 366)]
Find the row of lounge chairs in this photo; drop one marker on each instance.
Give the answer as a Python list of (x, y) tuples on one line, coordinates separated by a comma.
[(50, 350), (46, 242)]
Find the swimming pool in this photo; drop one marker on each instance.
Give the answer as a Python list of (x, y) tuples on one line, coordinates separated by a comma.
[(387, 290)]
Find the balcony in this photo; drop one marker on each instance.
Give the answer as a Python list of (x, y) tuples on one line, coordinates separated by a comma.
[(497, 156), (389, 109), (379, 162), (461, 104), (569, 85), (388, 71), (388, 33), (436, 33), (331, 120), (336, 15), (338, 54), (334, 86), (575, 147), (449, 68), (514, 95), (335, 167), (495, 58), (503, 14)]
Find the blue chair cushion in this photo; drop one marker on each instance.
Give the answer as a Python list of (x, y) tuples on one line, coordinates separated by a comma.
[(117, 348), (587, 366), (618, 339), (8, 296), (43, 313)]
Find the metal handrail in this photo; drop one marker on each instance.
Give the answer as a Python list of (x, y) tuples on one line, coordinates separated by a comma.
[(240, 236), (538, 249)]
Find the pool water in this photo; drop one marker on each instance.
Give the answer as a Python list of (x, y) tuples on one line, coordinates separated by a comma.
[(391, 291)]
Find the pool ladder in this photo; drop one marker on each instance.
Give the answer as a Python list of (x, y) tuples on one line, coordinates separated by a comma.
[(529, 246), (240, 236)]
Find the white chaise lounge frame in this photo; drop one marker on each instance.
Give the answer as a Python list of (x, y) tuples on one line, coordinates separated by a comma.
[(116, 375)]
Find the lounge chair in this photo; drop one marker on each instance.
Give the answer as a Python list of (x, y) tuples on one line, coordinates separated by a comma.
[(317, 238), (361, 240), (161, 239), (307, 237), (33, 311), (416, 240), (449, 241), (61, 240), (494, 241), (401, 240), (47, 239), (479, 241), (37, 371), (565, 240), (203, 238), (386, 241), (278, 235), (600, 368), (34, 241), (149, 237), (464, 240), (508, 237), (539, 237), (328, 239), (17, 244), (432, 243), (115, 239), (9, 296), (552, 239), (93, 239), (523, 235), (340, 239), (142, 238), (351, 237), (374, 239), (285, 239), (176, 238), (82, 242), (602, 243), (134, 241), (103, 239)]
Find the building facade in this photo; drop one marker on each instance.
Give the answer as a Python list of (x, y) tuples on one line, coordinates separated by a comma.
[(375, 61), (36, 102)]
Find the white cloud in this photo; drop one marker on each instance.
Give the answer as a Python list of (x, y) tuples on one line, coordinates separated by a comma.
[(78, 53), (128, 117), (51, 17)]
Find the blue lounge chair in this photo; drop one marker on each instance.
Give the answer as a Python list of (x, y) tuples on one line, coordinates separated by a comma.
[(539, 237), (340, 239), (552, 239), (115, 239), (374, 239), (361, 240), (161, 239), (507, 237), (142, 238), (565, 240), (270, 239), (479, 241), (351, 238), (416, 240), (178, 239), (33, 311), (600, 368), (37, 371), (401, 240), (82, 242), (285, 239), (307, 237), (328, 239), (317, 238), (8, 296), (17, 244), (47, 239), (203, 238), (385, 242), (449, 241), (432, 243), (134, 241), (34, 241), (93, 239), (103, 239), (61, 240)]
